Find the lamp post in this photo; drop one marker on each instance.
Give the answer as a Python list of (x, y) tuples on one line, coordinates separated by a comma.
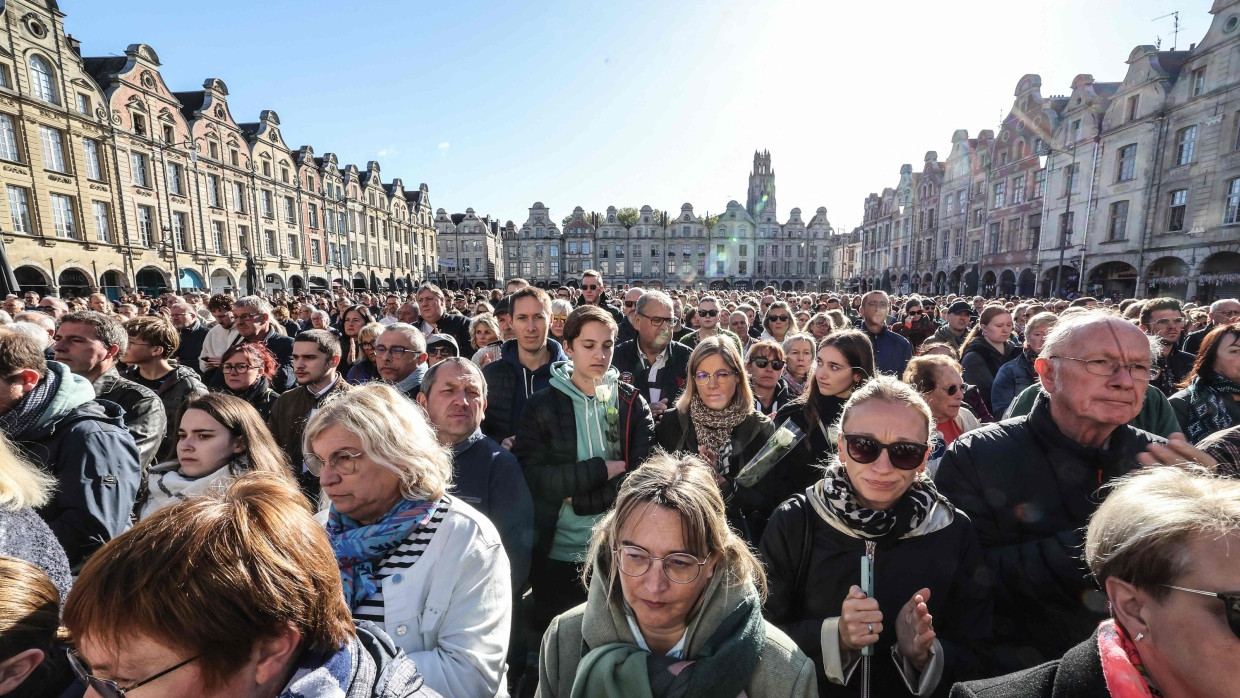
[(176, 265), (1066, 232)]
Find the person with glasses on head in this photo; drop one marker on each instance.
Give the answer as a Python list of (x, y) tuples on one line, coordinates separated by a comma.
[(1221, 312), (1163, 320), (715, 419), (675, 601), (593, 293), (193, 332), (929, 613), (219, 438), (1162, 549), (1016, 375), (652, 362), (400, 353), (284, 629), (559, 315), (765, 367), (419, 562), (1209, 400), (938, 380), (247, 370), (711, 319), (1095, 369), (253, 323)]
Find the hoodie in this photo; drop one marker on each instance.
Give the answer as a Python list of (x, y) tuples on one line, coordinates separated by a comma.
[(510, 384), (572, 531)]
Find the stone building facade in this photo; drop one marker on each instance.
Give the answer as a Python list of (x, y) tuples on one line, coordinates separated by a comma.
[(469, 250), (1138, 192), (741, 247), (115, 182)]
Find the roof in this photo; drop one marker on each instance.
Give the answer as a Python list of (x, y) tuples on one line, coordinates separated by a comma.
[(250, 129), (101, 67), (190, 102), (458, 217)]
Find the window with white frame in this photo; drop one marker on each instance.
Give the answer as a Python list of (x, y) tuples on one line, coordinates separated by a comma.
[(269, 205), (290, 210), (176, 184), (1176, 210), (138, 166), (217, 236), (42, 83), (146, 225), (294, 250), (213, 191), (83, 104), (8, 139), (273, 246), (1118, 226), (19, 209), (94, 160), (1185, 145), (238, 197), (103, 224), (180, 230), (1018, 189), (53, 149), (1126, 167), (1231, 208), (62, 216)]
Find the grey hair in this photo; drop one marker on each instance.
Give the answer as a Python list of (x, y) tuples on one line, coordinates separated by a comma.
[(799, 337), (558, 306), (107, 329), (370, 331), (35, 332), (413, 334), (1218, 304), (653, 297), (322, 315), (395, 434), (1142, 531), (1043, 319), (5, 318), (1071, 326), (489, 320), (256, 302), (428, 380)]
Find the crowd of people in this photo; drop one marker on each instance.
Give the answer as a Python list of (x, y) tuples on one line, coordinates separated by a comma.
[(638, 492)]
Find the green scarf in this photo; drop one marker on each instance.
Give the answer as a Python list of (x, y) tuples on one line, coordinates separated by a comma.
[(722, 667)]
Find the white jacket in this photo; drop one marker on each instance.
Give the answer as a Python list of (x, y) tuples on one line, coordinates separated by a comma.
[(216, 343), (452, 611)]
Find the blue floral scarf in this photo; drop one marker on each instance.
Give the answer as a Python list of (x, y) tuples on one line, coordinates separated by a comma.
[(359, 548)]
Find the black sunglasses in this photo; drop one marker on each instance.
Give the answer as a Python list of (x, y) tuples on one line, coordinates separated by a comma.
[(953, 389), (904, 455), (763, 362), (779, 318), (1231, 602), (589, 287), (630, 304), (708, 313)]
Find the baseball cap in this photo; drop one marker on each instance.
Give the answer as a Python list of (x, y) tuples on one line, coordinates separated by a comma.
[(960, 307), (443, 339)]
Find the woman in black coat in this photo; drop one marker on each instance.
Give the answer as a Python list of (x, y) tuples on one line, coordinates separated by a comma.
[(986, 348), (929, 611), (248, 369), (715, 419), (843, 362)]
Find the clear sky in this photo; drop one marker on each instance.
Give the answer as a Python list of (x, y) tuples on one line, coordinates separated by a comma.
[(496, 104)]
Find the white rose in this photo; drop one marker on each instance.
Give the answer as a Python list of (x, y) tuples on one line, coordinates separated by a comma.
[(783, 438), (602, 392)]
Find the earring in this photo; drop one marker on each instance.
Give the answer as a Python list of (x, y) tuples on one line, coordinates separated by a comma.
[(1139, 636)]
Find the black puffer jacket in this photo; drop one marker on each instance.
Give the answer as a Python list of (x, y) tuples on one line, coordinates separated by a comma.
[(748, 507), (980, 362), (546, 447), (1030, 491), (942, 554), (510, 384)]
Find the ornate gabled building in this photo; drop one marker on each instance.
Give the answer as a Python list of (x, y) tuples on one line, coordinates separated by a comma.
[(141, 187), (469, 248)]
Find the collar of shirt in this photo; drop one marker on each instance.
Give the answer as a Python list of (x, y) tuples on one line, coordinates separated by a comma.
[(323, 392), (470, 440), (676, 652)]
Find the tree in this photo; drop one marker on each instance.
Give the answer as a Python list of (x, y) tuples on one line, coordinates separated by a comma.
[(627, 216), (711, 221)]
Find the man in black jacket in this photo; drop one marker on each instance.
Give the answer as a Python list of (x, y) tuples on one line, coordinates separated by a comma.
[(1222, 312), (1163, 319), (435, 319), (192, 331), (253, 322), (592, 293), (1031, 483), (51, 414), (652, 362), (628, 325), (524, 366)]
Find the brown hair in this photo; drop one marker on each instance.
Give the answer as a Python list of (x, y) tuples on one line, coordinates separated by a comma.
[(18, 351), (29, 609), (584, 314), (221, 302), (921, 370), (987, 315), (156, 331), (531, 292), (726, 349), (215, 574), (254, 352), (242, 421), (857, 350), (1207, 355), (768, 348)]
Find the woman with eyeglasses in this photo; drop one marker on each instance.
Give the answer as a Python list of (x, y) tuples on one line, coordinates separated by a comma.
[(675, 601), (799, 350), (715, 420), (1209, 400), (233, 594), (765, 366), (844, 361), (559, 315), (930, 610), (420, 563), (576, 440), (778, 322), (219, 438), (986, 348), (366, 368), (1016, 375), (938, 380), (248, 370), (1162, 546), (820, 325)]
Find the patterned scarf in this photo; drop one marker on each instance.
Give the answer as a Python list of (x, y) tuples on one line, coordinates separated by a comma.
[(1125, 675), (714, 427), (835, 493), (360, 548), (25, 414), (1207, 412)]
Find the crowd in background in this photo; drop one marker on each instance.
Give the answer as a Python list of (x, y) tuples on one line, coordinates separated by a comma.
[(585, 491)]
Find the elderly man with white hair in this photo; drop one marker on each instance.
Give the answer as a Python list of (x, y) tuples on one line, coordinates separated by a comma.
[(1222, 312), (1030, 483), (254, 325)]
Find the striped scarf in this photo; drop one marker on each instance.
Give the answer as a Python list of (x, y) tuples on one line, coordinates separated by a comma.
[(359, 548)]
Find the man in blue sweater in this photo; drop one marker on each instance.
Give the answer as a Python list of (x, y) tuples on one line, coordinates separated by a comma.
[(891, 351)]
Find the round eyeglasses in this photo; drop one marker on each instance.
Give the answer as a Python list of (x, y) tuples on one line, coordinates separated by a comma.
[(681, 568)]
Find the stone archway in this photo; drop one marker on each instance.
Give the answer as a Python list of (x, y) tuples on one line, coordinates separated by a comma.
[(222, 281), (74, 283), (152, 281), (1167, 277), (1026, 285), (1007, 283), (1116, 280), (112, 284), (989, 285), (1220, 277), (32, 278)]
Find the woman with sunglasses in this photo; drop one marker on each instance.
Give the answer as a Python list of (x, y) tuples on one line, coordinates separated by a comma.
[(930, 610), (938, 380), (1018, 374), (257, 612), (1162, 546), (915, 326), (778, 322), (420, 563), (715, 420), (248, 370), (366, 368), (765, 366), (559, 315), (675, 601)]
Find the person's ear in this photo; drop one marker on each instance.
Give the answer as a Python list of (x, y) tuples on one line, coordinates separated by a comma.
[(16, 669), (1129, 606), (273, 657), (1046, 372), (421, 399), (334, 361)]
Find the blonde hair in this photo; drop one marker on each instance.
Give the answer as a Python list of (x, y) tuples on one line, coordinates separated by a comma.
[(395, 434), (686, 485), (726, 349), (22, 484), (892, 391), (1141, 533)]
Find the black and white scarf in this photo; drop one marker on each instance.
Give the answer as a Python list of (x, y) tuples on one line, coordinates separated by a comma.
[(22, 418), (1207, 412), (834, 493)]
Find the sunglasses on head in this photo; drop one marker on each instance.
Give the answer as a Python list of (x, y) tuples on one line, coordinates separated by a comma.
[(763, 362), (904, 455)]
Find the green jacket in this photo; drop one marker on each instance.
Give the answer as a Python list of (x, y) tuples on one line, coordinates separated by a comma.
[(783, 670), (1156, 415)]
